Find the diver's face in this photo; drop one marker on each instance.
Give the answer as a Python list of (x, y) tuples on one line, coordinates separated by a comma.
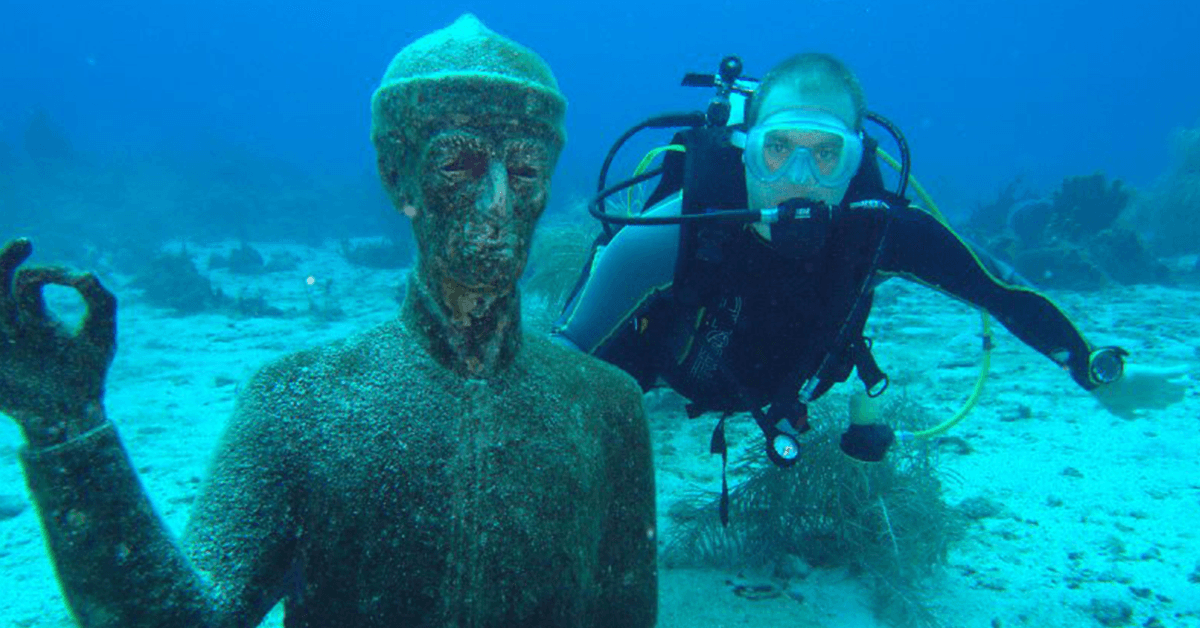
[(483, 184), (762, 195)]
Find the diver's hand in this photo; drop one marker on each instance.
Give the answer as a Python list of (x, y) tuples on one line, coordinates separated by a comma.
[(1143, 388), (51, 380)]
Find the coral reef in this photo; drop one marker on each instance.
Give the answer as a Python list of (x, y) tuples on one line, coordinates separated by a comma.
[(247, 260), (1075, 239), (51, 188), (244, 260), (253, 304), (1029, 219), (1063, 266), (389, 254), (887, 521), (171, 280), (1123, 256), (1085, 206), (1170, 211), (994, 216)]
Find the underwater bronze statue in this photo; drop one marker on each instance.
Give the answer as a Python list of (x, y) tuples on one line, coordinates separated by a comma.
[(443, 469)]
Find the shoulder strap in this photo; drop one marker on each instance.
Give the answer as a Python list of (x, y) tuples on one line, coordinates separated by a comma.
[(868, 180), (713, 178)]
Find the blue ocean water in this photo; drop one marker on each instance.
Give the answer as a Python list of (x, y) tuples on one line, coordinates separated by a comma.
[(986, 91), (235, 112)]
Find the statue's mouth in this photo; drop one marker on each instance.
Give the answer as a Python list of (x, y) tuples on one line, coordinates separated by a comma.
[(487, 241), (486, 270)]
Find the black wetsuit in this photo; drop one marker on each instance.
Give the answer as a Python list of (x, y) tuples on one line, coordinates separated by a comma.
[(765, 320)]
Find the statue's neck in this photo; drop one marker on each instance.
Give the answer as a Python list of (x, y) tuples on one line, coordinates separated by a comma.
[(475, 334)]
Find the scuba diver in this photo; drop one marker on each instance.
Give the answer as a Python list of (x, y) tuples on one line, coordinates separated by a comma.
[(746, 283)]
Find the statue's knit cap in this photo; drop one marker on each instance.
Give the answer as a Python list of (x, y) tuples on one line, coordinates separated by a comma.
[(465, 63)]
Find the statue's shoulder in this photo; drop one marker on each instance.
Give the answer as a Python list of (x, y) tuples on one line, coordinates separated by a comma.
[(588, 379), (312, 373)]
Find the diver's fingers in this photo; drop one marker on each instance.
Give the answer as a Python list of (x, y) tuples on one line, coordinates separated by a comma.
[(14, 254), (100, 324), (29, 285), (1172, 371)]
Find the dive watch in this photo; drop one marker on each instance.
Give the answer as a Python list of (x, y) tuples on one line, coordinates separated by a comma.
[(1106, 365)]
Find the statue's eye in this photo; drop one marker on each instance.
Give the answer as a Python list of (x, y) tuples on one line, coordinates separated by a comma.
[(467, 162), (524, 171), (525, 160)]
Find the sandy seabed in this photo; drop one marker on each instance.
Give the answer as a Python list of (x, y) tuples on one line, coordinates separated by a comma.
[(1096, 510)]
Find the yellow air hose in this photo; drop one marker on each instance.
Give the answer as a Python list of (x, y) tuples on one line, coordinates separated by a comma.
[(645, 163), (985, 323)]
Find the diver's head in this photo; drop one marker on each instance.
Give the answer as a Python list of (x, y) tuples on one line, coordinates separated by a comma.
[(804, 137), (467, 126)]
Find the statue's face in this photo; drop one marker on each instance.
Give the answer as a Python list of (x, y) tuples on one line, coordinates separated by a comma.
[(482, 182)]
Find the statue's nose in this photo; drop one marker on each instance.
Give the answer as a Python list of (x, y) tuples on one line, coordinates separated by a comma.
[(494, 198)]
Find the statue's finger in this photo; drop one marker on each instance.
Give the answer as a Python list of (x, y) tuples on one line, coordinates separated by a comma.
[(28, 289), (11, 257), (100, 325)]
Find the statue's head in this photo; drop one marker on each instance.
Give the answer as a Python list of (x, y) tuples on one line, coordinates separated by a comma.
[(467, 126)]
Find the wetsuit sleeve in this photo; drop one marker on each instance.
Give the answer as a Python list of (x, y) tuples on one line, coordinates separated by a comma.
[(117, 562), (922, 249), (624, 278)]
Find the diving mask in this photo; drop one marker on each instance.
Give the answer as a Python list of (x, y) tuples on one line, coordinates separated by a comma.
[(804, 147)]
